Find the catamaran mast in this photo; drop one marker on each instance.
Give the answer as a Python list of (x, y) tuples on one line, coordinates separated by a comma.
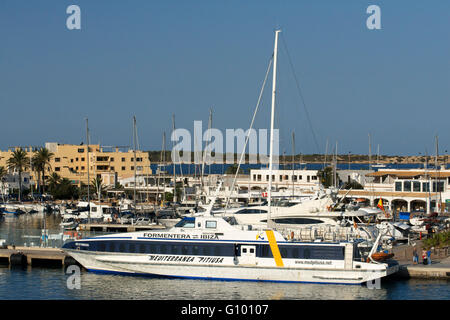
[(272, 121)]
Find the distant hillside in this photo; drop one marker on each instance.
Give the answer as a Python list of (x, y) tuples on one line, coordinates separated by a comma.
[(156, 156)]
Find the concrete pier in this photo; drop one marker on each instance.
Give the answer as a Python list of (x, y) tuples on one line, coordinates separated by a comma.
[(436, 270), (35, 256), (439, 268)]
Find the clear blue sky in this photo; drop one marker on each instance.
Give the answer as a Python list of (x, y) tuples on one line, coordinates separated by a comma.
[(155, 58)]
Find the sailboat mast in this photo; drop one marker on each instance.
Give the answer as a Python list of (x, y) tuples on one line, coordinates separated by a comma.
[(293, 163), (272, 121), (88, 182), (173, 160), (134, 155)]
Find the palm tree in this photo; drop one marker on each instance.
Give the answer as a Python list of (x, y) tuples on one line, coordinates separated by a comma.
[(97, 183), (18, 162), (54, 180), (3, 173), (41, 162)]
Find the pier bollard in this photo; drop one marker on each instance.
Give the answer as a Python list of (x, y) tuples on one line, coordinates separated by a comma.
[(17, 259)]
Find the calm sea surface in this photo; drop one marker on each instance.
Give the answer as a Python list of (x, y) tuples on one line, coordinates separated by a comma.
[(51, 283)]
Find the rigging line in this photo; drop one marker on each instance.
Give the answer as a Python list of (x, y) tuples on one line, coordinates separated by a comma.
[(248, 133), (300, 93)]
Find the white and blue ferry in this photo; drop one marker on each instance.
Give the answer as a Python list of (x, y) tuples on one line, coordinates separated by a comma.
[(208, 247)]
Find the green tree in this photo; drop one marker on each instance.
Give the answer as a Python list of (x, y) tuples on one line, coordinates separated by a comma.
[(53, 181), (63, 190), (19, 162), (233, 168), (326, 176), (41, 163), (97, 184), (353, 185)]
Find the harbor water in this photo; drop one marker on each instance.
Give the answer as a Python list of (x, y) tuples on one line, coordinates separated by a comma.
[(42, 283)]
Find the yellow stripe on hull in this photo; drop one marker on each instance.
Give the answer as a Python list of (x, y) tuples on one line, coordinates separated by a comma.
[(274, 247)]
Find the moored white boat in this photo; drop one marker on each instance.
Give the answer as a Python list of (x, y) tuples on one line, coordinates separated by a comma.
[(208, 247)]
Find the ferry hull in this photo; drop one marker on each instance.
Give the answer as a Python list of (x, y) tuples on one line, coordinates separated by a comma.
[(138, 266)]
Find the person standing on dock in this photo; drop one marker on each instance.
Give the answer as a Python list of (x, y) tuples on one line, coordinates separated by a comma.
[(429, 256), (424, 256), (415, 256)]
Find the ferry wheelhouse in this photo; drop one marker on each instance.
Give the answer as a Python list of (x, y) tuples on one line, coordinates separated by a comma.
[(208, 247)]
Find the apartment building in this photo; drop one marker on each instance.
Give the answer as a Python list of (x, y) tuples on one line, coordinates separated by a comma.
[(109, 163)]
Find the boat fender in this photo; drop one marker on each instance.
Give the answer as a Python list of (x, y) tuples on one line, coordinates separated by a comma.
[(68, 261), (18, 259)]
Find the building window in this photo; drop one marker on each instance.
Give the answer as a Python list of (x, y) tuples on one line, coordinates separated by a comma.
[(81, 150), (112, 168), (71, 160), (438, 186), (132, 167), (57, 159), (416, 186), (259, 177), (425, 187), (123, 168), (57, 169), (294, 178), (82, 168), (111, 159), (407, 186), (123, 159), (398, 186), (300, 177)]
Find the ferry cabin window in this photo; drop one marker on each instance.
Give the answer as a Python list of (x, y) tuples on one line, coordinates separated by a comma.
[(142, 248), (195, 250), (122, 247), (163, 249), (186, 223), (101, 246), (132, 248), (206, 250), (211, 224), (306, 253)]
